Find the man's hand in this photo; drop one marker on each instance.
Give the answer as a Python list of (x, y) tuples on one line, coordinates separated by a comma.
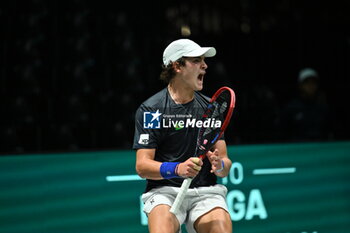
[(215, 160), (189, 168)]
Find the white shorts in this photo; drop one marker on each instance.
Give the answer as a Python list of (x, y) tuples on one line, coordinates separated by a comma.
[(197, 202)]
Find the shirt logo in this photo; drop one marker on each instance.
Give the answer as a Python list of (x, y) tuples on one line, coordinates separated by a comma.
[(151, 120), (178, 126), (144, 139)]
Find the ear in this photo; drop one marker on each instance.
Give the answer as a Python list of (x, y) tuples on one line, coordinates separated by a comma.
[(176, 66)]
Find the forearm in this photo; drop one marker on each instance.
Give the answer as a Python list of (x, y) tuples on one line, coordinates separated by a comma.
[(149, 169)]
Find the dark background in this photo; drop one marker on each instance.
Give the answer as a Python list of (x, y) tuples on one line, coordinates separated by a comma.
[(72, 73)]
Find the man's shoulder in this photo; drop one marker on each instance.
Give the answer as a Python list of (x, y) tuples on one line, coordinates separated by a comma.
[(201, 98), (156, 100)]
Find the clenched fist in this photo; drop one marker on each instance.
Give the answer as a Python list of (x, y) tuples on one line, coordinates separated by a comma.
[(189, 168)]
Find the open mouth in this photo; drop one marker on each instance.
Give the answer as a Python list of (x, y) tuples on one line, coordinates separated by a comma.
[(200, 77)]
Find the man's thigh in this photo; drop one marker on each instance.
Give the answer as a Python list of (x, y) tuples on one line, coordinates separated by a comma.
[(216, 220), (157, 204), (161, 220), (209, 205)]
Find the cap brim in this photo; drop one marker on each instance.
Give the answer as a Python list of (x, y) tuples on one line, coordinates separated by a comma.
[(206, 51)]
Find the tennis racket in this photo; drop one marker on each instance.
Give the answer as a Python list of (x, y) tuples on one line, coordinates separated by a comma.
[(220, 107)]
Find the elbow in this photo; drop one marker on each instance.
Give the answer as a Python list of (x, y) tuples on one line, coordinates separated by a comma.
[(140, 171)]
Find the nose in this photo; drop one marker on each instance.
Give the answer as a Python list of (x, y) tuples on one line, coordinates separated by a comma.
[(204, 65)]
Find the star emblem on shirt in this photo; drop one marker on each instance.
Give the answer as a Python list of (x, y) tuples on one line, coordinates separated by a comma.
[(155, 116)]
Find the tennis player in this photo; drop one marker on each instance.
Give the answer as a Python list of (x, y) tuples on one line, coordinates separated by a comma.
[(165, 143)]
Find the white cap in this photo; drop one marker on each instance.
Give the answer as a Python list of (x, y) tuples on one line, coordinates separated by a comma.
[(185, 48), (307, 73)]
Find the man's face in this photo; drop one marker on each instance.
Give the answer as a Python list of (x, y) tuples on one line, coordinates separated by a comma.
[(193, 72)]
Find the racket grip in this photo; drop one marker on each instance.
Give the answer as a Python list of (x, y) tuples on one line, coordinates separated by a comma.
[(180, 196)]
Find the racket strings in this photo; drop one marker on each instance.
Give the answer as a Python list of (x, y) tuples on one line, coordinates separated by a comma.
[(215, 115), (221, 107), (217, 110)]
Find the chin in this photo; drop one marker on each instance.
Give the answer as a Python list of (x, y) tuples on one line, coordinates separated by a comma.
[(199, 88)]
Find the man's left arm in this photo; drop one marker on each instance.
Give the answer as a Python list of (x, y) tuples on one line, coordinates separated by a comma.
[(220, 162)]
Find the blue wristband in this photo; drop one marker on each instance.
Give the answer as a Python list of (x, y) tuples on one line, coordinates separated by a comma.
[(222, 166), (168, 170)]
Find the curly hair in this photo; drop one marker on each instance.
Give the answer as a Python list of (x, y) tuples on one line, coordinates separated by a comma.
[(168, 72)]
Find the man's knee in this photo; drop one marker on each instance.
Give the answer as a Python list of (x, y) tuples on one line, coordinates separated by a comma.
[(216, 221), (215, 226)]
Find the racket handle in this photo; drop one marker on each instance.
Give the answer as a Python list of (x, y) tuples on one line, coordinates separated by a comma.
[(180, 196)]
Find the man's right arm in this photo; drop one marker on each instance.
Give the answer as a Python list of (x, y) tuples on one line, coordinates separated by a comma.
[(147, 167)]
